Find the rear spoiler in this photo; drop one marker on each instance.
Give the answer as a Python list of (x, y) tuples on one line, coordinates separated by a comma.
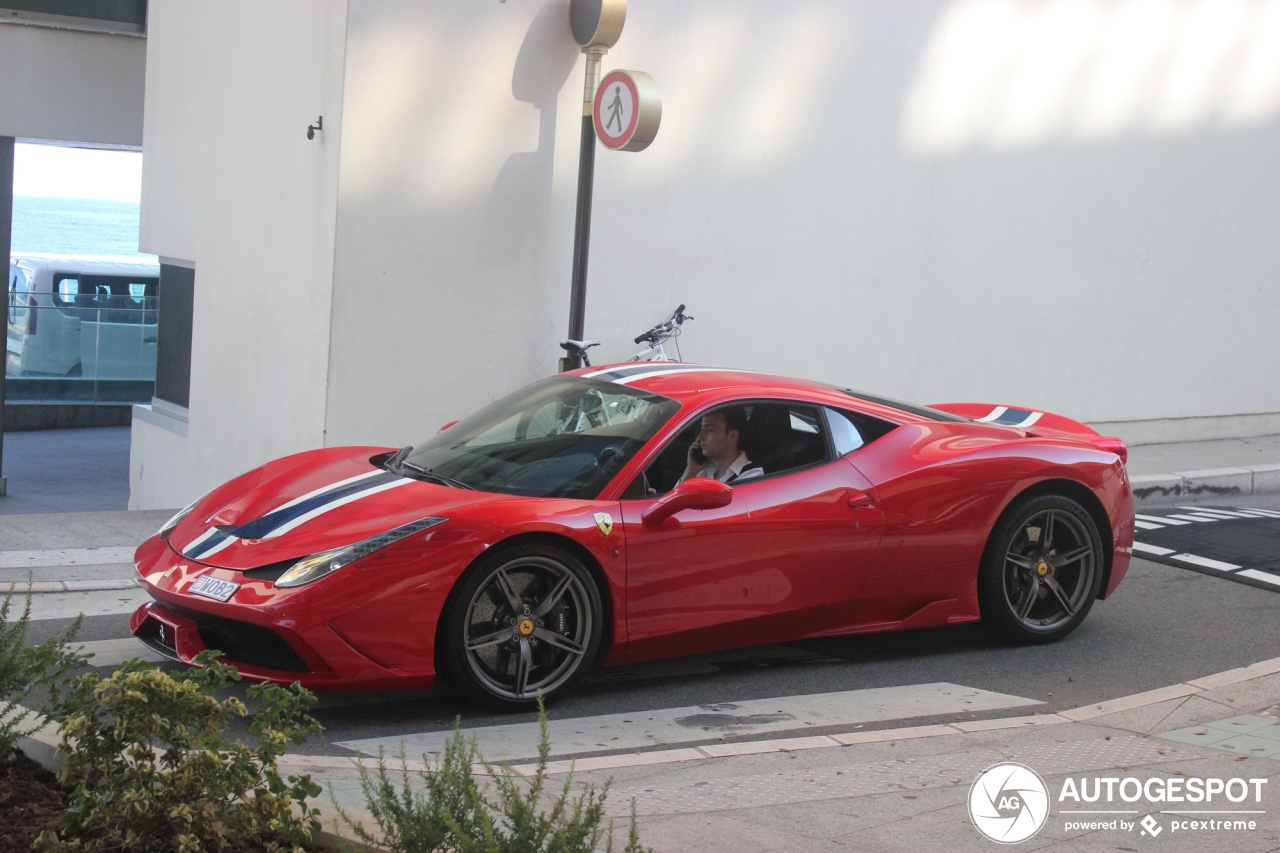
[(1033, 422)]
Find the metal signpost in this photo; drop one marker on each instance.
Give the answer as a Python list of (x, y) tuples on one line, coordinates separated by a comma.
[(596, 26)]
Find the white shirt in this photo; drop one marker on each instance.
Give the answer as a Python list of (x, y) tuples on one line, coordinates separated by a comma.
[(736, 472)]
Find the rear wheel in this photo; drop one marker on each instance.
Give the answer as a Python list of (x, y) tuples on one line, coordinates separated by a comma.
[(524, 620), (1041, 571)]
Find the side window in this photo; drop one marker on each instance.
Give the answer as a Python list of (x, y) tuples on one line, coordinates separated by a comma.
[(65, 289), (107, 298), (851, 430), (17, 294), (773, 437)]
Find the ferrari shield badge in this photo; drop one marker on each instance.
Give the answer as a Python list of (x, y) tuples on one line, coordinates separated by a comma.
[(605, 522)]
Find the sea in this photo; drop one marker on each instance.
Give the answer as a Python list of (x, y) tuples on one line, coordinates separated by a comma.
[(75, 226)]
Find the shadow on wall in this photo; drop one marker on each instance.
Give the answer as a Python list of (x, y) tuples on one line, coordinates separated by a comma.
[(1011, 74), (518, 207)]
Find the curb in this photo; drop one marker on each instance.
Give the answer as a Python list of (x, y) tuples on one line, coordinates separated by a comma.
[(46, 587), (1215, 482)]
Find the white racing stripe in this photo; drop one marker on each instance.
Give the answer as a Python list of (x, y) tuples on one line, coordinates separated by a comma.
[(230, 540), (331, 487), (708, 722), (321, 510), (627, 380)]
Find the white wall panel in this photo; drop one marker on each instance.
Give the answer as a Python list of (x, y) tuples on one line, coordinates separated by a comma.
[(71, 86), (231, 182), (1068, 206)]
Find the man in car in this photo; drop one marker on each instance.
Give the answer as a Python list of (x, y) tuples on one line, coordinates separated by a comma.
[(715, 452)]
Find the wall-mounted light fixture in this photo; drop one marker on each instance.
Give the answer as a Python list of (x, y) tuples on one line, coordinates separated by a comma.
[(312, 128)]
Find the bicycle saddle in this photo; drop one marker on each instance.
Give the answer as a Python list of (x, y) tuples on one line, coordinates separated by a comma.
[(570, 346)]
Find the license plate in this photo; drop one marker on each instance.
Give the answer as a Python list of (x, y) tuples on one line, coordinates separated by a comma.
[(211, 587)]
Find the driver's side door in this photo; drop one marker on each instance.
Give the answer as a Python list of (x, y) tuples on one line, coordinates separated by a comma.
[(684, 575)]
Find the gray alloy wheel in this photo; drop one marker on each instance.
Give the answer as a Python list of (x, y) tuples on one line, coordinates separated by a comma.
[(1042, 571), (526, 622)]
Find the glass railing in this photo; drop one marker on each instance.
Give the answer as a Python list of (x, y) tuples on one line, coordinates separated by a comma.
[(95, 353)]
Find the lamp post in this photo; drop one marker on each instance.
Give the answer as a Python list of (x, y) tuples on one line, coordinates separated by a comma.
[(596, 25)]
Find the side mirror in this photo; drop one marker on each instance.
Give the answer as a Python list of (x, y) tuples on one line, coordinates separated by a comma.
[(698, 493), (445, 427)]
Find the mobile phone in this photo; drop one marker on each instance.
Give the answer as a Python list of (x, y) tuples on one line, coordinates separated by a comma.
[(698, 455)]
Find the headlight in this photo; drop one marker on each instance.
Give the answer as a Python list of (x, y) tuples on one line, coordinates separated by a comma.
[(318, 565), (167, 527)]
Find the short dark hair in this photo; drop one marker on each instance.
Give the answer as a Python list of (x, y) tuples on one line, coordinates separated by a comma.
[(735, 418)]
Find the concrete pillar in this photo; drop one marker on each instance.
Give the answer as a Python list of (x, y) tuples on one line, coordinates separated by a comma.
[(6, 242)]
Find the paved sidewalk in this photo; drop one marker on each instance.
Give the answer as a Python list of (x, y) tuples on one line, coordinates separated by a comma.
[(908, 789), (66, 470), (1224, 468)]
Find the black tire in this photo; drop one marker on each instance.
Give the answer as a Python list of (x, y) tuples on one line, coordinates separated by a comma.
[(1035, 588), (522, 620)]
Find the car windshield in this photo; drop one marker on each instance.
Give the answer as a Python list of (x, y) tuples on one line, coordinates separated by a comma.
[(564, 437)]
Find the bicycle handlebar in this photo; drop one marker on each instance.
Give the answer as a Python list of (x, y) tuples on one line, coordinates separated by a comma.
[(677, 318)]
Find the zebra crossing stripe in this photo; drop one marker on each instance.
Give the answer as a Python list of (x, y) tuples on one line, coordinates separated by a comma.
[(1259, 576), (1156, 519), (1144, 548), (1224, 514), (1146, 525), (1205, 562), (1200, 518)]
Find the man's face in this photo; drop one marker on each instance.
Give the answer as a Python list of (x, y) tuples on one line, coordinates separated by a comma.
[(716, 441)]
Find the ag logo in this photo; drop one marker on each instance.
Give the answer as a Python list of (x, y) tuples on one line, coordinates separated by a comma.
[(605, 522), (1008, 803)]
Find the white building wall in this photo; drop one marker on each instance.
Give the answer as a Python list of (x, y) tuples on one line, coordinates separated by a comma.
[(232, 184), (460, 152), (71, 86), (1064, 206), (1070, 206)]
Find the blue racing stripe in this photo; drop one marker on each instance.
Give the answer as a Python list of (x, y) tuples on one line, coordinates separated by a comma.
[(260, 528), (1012, 416), (642, 368), (208, 544)]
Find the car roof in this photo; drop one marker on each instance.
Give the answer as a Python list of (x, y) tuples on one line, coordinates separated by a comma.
[(87, 263), (698, 383)]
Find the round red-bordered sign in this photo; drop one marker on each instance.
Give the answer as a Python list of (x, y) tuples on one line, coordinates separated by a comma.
[(627, 110)]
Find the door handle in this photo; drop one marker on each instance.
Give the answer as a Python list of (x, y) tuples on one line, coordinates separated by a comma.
[(860, 500)]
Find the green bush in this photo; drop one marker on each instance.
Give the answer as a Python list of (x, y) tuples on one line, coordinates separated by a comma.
[(23, 668), (151, 773), (453, 812)]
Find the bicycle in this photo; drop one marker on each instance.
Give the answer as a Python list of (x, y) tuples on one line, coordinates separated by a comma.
[(655, 337)]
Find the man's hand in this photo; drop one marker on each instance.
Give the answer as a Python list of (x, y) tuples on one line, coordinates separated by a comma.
[(695, 461)]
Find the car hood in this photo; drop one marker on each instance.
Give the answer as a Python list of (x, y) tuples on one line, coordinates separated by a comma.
[(309, 503)]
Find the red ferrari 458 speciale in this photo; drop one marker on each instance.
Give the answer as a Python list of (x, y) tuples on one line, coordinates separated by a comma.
[(637, 511)]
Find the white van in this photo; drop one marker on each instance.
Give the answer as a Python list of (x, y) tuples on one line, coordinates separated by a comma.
[(93, 317)]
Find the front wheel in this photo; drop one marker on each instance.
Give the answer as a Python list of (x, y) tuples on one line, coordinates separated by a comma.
[(1041, 571), (523, 621)]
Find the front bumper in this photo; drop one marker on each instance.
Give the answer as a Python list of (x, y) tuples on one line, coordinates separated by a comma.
[(281, 636)]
